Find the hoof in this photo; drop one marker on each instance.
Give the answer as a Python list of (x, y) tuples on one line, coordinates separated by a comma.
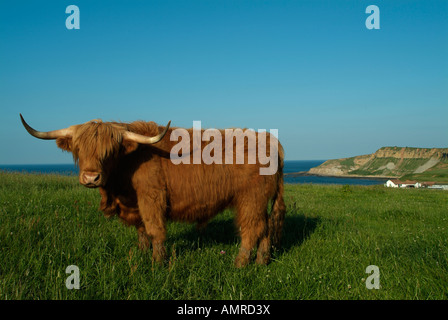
[(243, 258), (263, 259)]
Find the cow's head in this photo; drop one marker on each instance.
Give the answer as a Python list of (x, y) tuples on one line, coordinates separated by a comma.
[(95, 146)]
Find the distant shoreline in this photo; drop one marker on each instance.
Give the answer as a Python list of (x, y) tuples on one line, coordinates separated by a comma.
[(306, 173)]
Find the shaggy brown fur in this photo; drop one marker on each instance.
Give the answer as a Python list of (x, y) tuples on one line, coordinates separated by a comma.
[(141, 185)]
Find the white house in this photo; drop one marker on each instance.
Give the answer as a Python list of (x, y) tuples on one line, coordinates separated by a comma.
[(411, 184), (395, 183)]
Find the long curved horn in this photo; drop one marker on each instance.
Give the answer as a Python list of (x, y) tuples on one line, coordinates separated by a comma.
[(144, 139), (46, 135)]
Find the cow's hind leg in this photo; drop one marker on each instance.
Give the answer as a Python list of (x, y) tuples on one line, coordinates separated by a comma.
[(264, 250), (252, 220)]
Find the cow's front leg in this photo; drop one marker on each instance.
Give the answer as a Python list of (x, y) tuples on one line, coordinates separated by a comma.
[(108, 204), (152, 208), (143, 239)]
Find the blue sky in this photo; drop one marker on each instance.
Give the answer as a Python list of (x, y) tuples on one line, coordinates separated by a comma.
[(310, 69)]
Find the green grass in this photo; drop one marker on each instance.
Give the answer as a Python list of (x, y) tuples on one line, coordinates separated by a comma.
[(331, 234)]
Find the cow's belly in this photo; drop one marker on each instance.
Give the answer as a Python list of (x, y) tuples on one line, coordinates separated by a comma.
[(197, 193), (195, 210), (185, 209)]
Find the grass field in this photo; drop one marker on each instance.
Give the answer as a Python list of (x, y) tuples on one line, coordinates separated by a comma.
[(331, 235)]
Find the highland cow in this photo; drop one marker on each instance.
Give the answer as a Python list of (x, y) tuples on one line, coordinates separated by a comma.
[(130, 164)]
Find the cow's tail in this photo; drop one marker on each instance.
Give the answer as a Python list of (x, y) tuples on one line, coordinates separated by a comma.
[(277, 215)]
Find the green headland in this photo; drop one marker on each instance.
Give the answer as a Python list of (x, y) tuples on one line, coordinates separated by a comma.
[(406, 163)]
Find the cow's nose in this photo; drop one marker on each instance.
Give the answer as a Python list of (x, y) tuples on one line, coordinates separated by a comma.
[(90, 179)]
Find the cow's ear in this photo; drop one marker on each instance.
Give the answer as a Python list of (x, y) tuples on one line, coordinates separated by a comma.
[(65, 143), (129, 146)]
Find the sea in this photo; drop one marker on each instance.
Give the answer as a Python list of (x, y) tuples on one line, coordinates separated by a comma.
[(291, 166)]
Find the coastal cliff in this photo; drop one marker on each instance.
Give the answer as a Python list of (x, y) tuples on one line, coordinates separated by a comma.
[(389, 162)]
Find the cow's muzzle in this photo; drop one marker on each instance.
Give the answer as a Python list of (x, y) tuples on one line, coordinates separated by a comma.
[(90, 179)]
